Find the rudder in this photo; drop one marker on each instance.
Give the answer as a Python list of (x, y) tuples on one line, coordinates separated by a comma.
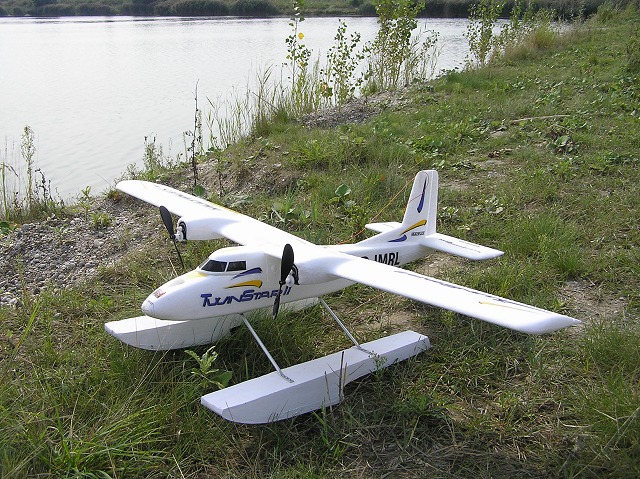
[(419, 217), (422, 207)]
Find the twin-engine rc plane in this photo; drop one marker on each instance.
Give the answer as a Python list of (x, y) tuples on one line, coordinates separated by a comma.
[(274, 268)]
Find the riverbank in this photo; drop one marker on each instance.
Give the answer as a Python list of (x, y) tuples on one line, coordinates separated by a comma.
[(538, 156), (259, 8)]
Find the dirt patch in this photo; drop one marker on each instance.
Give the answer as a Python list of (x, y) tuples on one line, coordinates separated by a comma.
[(590, 303), (358, 110), (437, 263)]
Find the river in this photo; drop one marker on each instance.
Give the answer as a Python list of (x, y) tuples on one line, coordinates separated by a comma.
[(92, 89)]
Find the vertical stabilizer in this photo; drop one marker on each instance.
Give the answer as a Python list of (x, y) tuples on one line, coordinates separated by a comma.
[(422, 207), (419, 217)]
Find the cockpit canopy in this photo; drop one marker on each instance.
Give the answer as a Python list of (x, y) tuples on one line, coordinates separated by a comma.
[(216, 266), (235, 259)]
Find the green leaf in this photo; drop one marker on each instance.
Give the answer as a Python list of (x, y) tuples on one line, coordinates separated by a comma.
[(342, 191)]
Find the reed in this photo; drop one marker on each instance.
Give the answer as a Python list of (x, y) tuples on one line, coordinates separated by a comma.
[(396, 58), (26, 193)]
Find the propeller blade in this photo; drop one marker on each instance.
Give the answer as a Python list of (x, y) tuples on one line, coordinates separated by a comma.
[(168, 221), (276, 306), (287, 263), (285, 269)]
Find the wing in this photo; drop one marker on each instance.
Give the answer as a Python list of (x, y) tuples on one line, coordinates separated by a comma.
[(232, 225), (460, 299)]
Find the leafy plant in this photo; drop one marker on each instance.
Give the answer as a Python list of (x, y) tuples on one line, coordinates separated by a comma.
[(28, 151), (389, 53), (483, 18), (343, 58), (298, 56), (205, 372), (101, 220), (6, 227), (155, 161), (85, 201), (196, 148)]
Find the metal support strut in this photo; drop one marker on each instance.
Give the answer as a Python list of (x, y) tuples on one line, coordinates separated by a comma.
[(344, 328), (265, 350)]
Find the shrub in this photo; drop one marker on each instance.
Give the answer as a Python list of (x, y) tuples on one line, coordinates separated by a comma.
[(94, 9), (253, 8), (200, 7)]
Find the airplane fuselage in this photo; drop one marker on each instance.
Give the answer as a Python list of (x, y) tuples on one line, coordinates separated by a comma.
[(241, 279)]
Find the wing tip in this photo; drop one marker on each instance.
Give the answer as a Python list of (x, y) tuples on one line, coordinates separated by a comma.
[(552, 323)]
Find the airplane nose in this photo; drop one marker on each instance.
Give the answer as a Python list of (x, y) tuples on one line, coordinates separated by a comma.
[(177, 300), (147, 308)]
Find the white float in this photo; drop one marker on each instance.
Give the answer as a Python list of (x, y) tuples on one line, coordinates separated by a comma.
[(315, 384)]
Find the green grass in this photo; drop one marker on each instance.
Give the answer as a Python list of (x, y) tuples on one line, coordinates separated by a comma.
[(556, 190)]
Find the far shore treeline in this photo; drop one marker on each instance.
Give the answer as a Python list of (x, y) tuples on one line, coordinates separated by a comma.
[(260, 8)]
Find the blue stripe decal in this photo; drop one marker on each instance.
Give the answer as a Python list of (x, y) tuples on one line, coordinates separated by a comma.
[(399, 240), (424, 190), (249, 271)]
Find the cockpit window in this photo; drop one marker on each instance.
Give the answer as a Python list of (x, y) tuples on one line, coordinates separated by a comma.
[(213, 266), (237, 266)]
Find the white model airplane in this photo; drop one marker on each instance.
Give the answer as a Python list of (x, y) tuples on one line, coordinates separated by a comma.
[(273, 267)]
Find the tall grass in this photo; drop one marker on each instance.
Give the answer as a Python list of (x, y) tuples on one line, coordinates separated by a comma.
[(527, 31), (397, 57), (25, 193)]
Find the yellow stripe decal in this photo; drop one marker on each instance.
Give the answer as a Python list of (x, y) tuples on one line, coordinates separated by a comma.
[(256, 282), (510, 306), (194, 274), (419, 223)]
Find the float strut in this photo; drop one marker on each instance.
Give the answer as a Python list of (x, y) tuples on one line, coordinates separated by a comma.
[(344, 328), (265, 350)]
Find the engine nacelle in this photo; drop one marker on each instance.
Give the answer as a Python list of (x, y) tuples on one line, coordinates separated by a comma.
[(196, 229), (312, 272)]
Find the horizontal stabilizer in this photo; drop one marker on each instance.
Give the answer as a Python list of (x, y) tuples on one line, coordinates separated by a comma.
[(458, 247), (383, 227), (316, 384)]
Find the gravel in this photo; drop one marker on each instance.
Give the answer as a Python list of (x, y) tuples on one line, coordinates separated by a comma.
[(59, 252)]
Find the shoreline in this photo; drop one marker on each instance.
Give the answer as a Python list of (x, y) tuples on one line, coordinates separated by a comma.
[(265, 9)]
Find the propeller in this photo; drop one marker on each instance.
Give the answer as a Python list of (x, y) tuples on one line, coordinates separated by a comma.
[(168, 223), (286, 267)]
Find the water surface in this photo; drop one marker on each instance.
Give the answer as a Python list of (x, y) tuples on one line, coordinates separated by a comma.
[(92, 89)]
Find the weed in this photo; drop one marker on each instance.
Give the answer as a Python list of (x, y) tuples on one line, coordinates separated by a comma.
[(483, 17), (155, 162), (32, 197), (6, 228), (28, 151), (298, 57), (196, 148), (101, 220), (85, 201), (343, 57), (392, 55), (206, 373)]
